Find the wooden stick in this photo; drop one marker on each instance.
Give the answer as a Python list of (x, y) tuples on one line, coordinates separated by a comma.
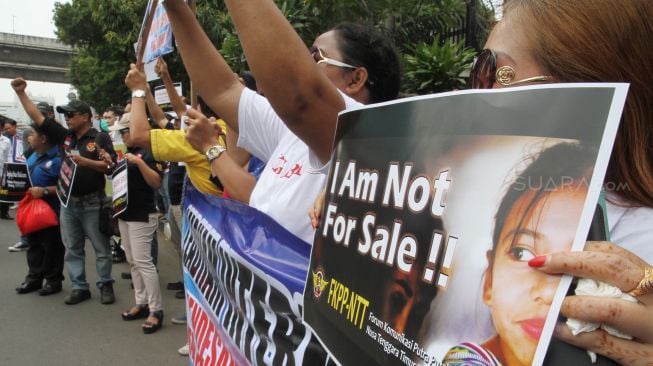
[(145, 31)]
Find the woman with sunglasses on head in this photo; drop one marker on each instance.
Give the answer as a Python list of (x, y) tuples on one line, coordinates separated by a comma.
[(137, 224), (293, 129), (595, 41)]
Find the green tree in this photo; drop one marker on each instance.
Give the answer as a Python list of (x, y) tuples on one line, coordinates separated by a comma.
[(104, 31)]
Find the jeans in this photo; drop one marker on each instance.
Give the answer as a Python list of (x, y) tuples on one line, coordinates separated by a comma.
[(80, 220)]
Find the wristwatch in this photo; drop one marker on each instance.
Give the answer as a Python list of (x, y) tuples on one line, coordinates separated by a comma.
[(214, 152), (138, 93), (45, 191)]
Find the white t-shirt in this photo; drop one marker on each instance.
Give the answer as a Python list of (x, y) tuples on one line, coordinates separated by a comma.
[(116, 138), (631, 228), (289, 183)]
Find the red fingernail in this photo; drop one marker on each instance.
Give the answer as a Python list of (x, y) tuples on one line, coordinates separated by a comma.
[(537, 261)]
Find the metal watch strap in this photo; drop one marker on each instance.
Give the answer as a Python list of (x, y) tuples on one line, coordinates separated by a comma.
[(214, 152)]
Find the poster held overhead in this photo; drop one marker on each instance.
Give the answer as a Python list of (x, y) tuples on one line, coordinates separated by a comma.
[(434, 206)]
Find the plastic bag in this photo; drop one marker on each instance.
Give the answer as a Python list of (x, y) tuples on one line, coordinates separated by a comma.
[(34, 214)]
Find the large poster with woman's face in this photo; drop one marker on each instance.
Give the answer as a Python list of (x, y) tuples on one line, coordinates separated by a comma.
[(434, 208)]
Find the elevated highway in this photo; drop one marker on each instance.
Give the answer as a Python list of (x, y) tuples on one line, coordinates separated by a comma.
[(34, 58)]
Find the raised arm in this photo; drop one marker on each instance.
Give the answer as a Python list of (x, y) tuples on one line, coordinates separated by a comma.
[(177, 103), (301, 95), (151, 177), (211, 75), (157, 113), (19, 85), (202, 134), (238, 154), (139, 129)]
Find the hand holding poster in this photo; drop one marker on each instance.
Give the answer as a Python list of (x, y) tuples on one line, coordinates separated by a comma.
[(434, 207)]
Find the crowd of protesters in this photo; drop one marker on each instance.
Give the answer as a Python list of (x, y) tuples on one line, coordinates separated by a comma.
[(289, 125)]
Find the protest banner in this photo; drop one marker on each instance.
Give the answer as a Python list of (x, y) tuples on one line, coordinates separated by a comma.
[(66, 180), (435, 204), (244, 276), (14, 183), (120, 194)]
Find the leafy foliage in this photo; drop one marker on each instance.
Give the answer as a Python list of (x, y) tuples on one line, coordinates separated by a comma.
[(104, 31), (433, 68)]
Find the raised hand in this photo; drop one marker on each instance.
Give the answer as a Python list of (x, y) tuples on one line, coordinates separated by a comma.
[(19, 85), (135, 79)]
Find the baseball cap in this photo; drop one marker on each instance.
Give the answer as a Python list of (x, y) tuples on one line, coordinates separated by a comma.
[(122, 123), (44, 107), (75, 106)]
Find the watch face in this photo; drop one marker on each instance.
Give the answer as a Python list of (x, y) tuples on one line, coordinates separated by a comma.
[(212, 152)]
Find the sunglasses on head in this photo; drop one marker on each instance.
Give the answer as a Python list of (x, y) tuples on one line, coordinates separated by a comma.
[(319, 58), (484, 73)]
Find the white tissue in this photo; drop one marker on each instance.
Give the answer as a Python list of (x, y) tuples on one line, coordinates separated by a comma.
[(588, 287)]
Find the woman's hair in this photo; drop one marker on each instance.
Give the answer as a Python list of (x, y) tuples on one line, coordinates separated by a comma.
[(602, 41), (363, 46), (38, 130), (550, 170), (248, 78)]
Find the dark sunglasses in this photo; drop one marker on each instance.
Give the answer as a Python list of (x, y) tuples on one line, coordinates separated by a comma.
[(484, 73), (319, 58), (71, 114)]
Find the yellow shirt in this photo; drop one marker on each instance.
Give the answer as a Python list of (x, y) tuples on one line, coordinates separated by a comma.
[(171, 145)]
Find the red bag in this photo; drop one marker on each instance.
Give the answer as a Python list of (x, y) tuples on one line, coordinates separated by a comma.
[(34, 214)]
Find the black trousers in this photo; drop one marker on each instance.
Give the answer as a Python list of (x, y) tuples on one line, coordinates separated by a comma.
[(4, 209), (45, 256)]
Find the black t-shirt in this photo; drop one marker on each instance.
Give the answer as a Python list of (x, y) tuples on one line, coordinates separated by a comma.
[(140, 196), (87, 180), (176, 177)]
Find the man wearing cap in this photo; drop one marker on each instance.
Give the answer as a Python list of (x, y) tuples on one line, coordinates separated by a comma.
[(80, 219), (46, 109)]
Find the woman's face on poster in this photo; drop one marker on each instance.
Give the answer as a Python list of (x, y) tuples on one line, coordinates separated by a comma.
[(519, 297)]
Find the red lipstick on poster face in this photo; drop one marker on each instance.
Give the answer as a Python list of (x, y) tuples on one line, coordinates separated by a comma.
[(533, 327)]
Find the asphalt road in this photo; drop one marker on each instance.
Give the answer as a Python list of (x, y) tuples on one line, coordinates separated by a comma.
[(42, 330)]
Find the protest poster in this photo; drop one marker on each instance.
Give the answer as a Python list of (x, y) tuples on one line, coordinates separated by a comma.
[(14, 183), (161, 95), (120, 195), (66, 180), (435, 204), (244, 276), (17, 148), (155, 37)]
